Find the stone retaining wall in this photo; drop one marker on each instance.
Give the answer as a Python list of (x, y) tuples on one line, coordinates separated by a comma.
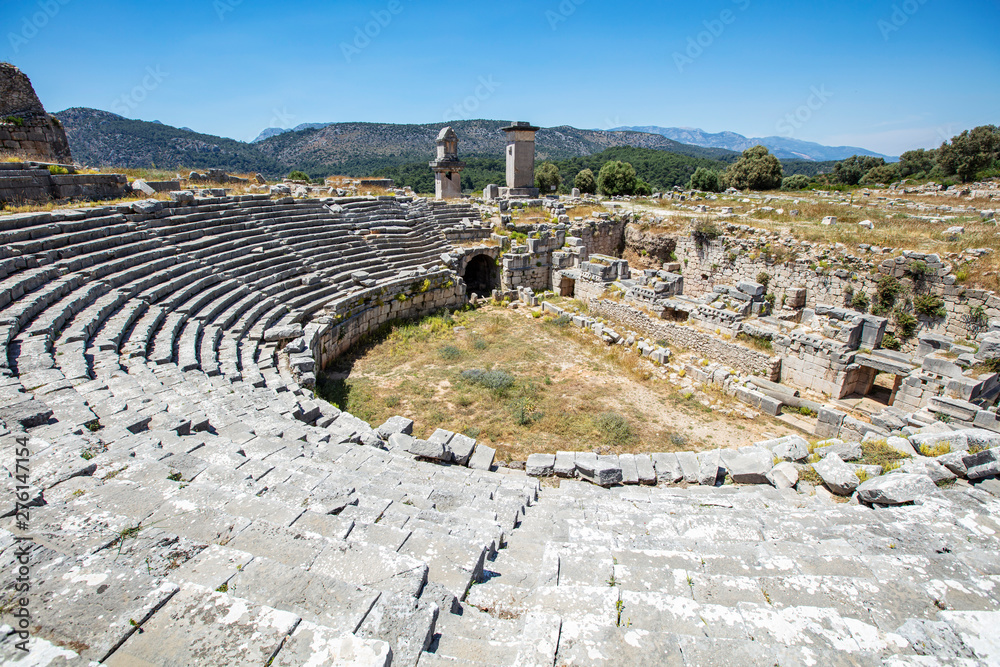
[(742, 359), (348, 319), (28, 182)]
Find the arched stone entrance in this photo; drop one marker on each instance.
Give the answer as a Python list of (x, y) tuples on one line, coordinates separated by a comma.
[(481, 275)]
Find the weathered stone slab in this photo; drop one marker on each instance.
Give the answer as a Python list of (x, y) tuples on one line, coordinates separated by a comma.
[(540, 465), (690, 467), (199, 626), (783, 476), (983, 464), (848, 451), (837, 475), (668, 468), (897, 489), (482, 457), (630, 472), (789, 448), (425, 449), (313, 644), (598, 472), (644, 466), (461, 447), (711, 468), (395, 424), (375, 567), (565, 465), (750, 466)]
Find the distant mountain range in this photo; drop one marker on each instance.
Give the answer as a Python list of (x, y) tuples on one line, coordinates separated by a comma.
[(100, 138), (782, 147)]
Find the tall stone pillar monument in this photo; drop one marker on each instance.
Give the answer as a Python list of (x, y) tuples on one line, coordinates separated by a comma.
[(447, 167), (520, 160)]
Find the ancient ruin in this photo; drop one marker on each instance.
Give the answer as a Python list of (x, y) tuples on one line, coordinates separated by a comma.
[(25, 128), (178, 494), (447, 167)]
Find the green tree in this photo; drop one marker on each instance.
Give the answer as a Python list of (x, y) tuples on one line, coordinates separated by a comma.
[(586, 182), (617, 178), (299, 176), (795, 182), (918, 162), (970, 152), (756, 169), (854, 168), (884, 174), (704, 179), (547, 178), (642, 188)]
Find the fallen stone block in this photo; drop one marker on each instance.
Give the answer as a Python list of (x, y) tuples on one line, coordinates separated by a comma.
[(565, 465), (789, 448), (630, 473), (837, 475), (983, 464), (598, 472), (425, 449), (897, 489), (954, 441), (460, 448), (668, 468), (644, 466), (711, 468), (927, 466), (277, 334), (690, 467), (847, 451), (395, 424), (750, 467), (783, 476)]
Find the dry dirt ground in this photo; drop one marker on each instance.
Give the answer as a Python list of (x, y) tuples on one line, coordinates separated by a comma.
[(557, 388)]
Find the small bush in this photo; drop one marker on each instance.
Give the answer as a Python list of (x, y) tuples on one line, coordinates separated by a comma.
[(479, 343), (56, 170), (13, 120), (860, 302), (918, 269), (392, 401), (807, 412), (906, 324), (449, 353), (705, 230), (562, 321), (930, 305), (764, 279), (523, 411), (299, 176), (890, 342), (616, 431), (499, 382)]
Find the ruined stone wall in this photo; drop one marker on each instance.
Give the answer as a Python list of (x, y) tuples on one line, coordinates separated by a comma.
[(26, 131), (603, 237), (727, 260), (742, 359), (647, 250), (347, 320)]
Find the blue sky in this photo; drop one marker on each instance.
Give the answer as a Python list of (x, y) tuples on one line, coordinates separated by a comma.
[(881, 74)]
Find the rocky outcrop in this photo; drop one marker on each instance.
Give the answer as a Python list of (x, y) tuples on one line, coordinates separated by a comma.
[(25, 129)]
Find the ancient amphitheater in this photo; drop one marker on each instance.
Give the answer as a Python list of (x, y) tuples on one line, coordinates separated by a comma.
[(176, 495)]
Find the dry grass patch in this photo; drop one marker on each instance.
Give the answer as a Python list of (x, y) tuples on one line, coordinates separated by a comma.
[(522, 385)]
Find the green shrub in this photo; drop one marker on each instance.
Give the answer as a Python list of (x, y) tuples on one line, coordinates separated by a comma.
[(795, 182), (499, 382), (449, 353), (562, 321), (616, 431), (917, 269), (906, 324), (705, 230), (860, 302), (523, 411), (930, 305), (704, 179), (890, 342), (13, 120), (642, 189), (299, 176), (887, 291), (764, 279), (586, 182), (56, 170)]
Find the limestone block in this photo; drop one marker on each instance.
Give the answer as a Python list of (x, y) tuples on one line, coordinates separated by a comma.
[(598, 472), (837, 475), (783, 476), (668, 467), (482, 457), (897, 489), (846, 451), (427, 450), (461, 447), (395, 424), (565, 465), (540, 465), (789, 448), (751, 466), (983, 464), (711, 468)]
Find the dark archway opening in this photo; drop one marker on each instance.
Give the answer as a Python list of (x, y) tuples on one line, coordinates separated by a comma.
[(482, 276)]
